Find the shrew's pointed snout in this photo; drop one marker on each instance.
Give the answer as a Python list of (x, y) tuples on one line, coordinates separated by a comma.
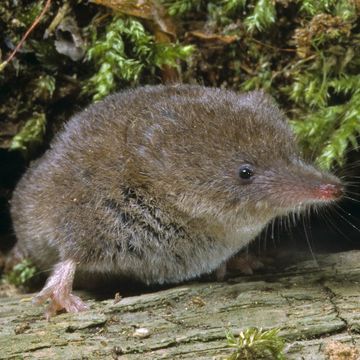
[(306, 185), (320, 186), (330, 191)]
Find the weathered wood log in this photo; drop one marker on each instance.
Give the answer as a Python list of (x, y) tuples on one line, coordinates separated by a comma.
[(312, 305)]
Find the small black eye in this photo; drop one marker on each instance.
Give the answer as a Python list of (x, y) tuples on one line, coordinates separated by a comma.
[(246, 172)]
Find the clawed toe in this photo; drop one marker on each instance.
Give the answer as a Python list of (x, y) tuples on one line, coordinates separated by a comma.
[(60, 301), (42, 296), (74, 304)]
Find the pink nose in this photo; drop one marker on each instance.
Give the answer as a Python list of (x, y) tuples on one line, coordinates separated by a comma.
[(330, 191)]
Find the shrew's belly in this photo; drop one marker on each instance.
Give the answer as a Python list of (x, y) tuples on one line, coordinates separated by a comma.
[(181, 259)]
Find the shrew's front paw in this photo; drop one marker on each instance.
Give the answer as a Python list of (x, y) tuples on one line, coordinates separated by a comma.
[(242, 263), (245, 263)]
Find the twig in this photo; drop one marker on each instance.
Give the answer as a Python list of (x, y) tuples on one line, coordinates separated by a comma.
[(57, 19), (21, 42), (272, 47)]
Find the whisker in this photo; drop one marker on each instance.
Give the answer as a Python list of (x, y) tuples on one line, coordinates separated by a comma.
[(309, 243), (351, 198), (333, 225), (344, 218)]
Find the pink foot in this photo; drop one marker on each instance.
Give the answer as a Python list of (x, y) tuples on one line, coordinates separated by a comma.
[(58, 290), (245, 263)]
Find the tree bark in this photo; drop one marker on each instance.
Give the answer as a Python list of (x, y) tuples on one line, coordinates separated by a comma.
[(313, 306)]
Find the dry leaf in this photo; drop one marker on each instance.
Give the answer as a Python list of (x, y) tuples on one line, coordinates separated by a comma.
[(149, 10), (213, 38)]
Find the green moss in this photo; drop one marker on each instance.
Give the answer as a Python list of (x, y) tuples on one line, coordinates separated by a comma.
[(337, 127), (305, 53), (263, 16), (309, 62), (256, 344), (343, 8), (182, 7), (31, 134), (170, 54), (125, 52), (21, 274), (29, 13)]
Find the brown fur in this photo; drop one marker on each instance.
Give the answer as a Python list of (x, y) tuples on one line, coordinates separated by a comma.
[(145, 183)]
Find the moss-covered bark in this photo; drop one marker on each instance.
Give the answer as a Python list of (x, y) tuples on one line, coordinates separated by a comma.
[(317, 309)]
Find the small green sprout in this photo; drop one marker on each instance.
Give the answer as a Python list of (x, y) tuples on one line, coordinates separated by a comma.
[(21, 273), (256, 344)]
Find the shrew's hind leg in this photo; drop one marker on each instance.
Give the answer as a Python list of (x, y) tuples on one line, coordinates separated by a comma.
[(58, 290)]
